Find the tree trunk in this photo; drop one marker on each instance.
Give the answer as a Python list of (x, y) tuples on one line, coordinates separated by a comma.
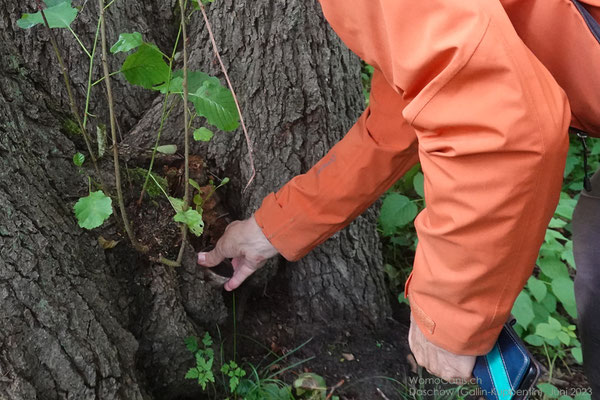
[(78, 322)]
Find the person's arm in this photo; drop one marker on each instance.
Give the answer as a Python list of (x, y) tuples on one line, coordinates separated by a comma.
[(371, 157), (491, 125)]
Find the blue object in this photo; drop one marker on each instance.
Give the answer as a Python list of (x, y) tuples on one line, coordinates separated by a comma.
[(508, 371)]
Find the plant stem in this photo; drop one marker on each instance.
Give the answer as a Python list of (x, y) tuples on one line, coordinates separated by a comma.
[(237, 104), (101, 79), (86, 51), (74, 111), (234, 329), (163, 118), (113, 131), (90, 73), (186, 117)]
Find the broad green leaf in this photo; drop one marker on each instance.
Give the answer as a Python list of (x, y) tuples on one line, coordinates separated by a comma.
[(93, 210), (549, 302), (554, 323), (565, 207), (577, 354), (418, 183), (523, 310), (540, 312), (146, 67), (537, 288), (546, 331), (309, 382), (549, 390), (60, 14), (583, 395), (203, 134), (193, 373), (564, 338), (557, 223), (167, 149), (215, 102), (176, 203), (193, 219), (195, 185), (553, 268), (567, 255), (126, 42), (534, 340), (78, 159), (191, 343), (564, 290), (396, 212)]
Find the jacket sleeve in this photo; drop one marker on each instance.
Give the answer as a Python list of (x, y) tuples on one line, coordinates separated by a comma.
[(375, 153), (491, 126)]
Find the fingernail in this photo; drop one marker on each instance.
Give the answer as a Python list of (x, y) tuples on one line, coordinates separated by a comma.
[(201, 258)]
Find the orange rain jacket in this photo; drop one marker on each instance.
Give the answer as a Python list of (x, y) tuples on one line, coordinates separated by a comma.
[(456, 89)]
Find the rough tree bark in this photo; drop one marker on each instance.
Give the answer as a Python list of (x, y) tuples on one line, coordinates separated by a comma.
[(79, 323)]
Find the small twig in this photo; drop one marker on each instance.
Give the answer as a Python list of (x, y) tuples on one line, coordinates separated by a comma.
[(113, 131), (74, 111), (186, 117), (333, 389), (237, 104)]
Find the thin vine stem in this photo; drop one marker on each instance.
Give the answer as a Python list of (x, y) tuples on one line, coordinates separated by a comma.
[(113, 131), (237, 104), (87, 52), (163, 118), (72, 104), (186, 117), (102, 79), (88, 93)]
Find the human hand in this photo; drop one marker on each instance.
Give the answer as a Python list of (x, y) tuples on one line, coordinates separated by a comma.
[(450, 367), (245, 243)]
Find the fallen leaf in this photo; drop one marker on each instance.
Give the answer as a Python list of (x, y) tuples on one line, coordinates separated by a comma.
[(348, 356), (107, 244)]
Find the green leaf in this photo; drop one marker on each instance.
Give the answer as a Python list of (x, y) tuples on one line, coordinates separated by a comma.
[(553, 267), (78, 159), (396, 212), (564, 338), (537, 288), (191, 343), (565, 207), (215, 102), (549, 390), (193, 219), (126, 42), (577, 354), (564, 290), (534, 340), (195, 184), (93, 210), (60, 14), (203, 134), (207, 340), (193, 373), (146, 67), (583, 396), (176, 203), (546, 331), (557, 223), (418, 183), (167, 149), (523, 310)]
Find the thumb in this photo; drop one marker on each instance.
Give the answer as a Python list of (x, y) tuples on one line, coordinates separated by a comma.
[(211, 258), (240, 274)]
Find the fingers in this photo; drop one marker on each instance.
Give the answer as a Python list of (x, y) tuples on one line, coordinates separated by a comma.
[(211, 259), (240, 274), (437, 361)]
